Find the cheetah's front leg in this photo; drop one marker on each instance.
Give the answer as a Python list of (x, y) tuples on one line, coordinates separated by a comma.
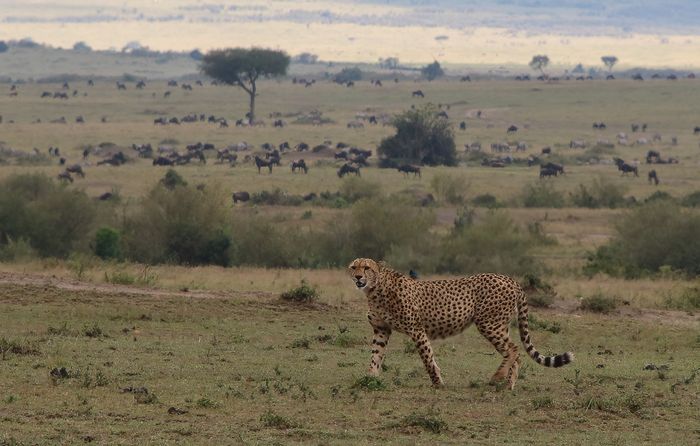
[(426, 354), (379, 342)]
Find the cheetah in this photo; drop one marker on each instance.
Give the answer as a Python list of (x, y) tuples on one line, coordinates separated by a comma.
[(426, 310)]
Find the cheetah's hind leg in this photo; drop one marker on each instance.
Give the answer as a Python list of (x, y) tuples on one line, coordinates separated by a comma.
[(500, 339)]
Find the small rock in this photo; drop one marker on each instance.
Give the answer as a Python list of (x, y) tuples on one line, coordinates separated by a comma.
[(176, 411)]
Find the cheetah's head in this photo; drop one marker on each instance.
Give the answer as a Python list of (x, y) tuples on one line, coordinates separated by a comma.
[(364, 273)]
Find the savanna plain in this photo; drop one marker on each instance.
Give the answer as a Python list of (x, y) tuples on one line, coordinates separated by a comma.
[(120, 352)]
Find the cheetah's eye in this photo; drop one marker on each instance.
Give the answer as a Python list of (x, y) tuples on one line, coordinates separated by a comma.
[(353, 267)]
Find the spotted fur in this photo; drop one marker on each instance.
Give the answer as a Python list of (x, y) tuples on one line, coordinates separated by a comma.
[(427, 310)]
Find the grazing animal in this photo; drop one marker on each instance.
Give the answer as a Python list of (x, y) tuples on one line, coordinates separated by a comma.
[(554, 166), (696, 130), (301, 165), (418, 93), (546, 150), (242, 196), (428, 310), (653, 177), (259, 162), (545, 172), (407, 168), (512, 129), (346, 169), (162, 161), (463, 125), (76, 169), (625, 168), (65, 176)]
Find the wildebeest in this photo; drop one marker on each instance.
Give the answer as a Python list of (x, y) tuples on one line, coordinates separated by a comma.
[(259, 162), (696, 130), (554, 166), (342, 155), (625, 168), (301, 165), (407, 168), (65, 176), (162, 161), (652, 177), (116, 160), (121, 86), (418, 93), (637, 77), (652, 156), (599, 125), (544, 172), (463, 125), (106, 196), (302, 147), (76, 169), (241, 196), (346, 169), (546, 150), (512, 129)]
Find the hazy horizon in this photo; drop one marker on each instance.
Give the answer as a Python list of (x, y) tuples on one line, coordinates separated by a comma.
[(641, 33)]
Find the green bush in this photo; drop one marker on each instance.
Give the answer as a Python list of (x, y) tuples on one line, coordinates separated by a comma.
[(659, 195), (601, 194), (19, 250), (429, 422), (691, 200), (107, 243), (302, 293), (495, 244), (355, 188), (52, 218), (542, 195), (276, 197), (421, 137), (599, 303), (182, 225), (656, 235), (688, 300), (172, 179), (486, 201), (349, 74), (449, 188)]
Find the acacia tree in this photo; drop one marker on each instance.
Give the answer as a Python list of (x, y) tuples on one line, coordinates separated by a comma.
[(432, 71), (539, 62), (243, 67), (609, 61), (421, 137)]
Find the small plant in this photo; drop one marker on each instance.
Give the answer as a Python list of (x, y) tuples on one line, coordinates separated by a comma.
[(542, 402), (16, 348), (107, 243), (301, 343), (539, 292), (93, 331), (428, 422), (486, 201), (369, 383), (599, 303), (552, 327), (271, 419), (206, 403), (62, 330), (9, 400), (302, 293), (688, 300)]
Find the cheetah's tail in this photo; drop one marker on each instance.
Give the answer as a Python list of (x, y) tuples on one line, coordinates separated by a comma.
[(547, 361)]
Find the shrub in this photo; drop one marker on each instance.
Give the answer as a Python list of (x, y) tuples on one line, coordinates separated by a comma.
[(542, 402), (370, 383), (349, 74), (688, 300), (655, 235), (691, 200), (107, 243), (659, 195), (539, 292), (276, 197), (14, 251), (355, 188), (429, 422), (598, 303), (486, 201), (172, 179), (271, 419), (495, 244), (182, 225), (53, 219), (302, 293), (421, 137), (450, 189), (542, 195), (432, 71), (601, 194)]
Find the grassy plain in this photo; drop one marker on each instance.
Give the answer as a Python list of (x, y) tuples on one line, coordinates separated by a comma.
[(251, 369)]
